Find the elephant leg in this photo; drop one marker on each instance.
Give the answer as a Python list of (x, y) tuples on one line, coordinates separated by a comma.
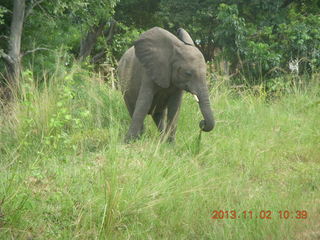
[(141, 109), (130, 108), (158, 118), (173, 114)]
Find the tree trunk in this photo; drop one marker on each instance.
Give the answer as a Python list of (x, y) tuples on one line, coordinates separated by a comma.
[(108, 34), (111, 31), (90, 40), (87, 44), (13, 59)]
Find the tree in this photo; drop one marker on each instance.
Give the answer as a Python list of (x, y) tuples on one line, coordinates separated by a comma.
[(49, 24), (258, 35), (98, 21), (13, 57)]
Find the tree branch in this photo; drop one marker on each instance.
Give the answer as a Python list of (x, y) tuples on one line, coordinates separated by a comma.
[(88, 42), (34, 50), (4, 36), (31, 7), (6, 57), (96, 58), (111, 30)]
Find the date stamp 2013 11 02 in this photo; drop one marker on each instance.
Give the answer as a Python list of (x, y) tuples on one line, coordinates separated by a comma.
[(262, 214)]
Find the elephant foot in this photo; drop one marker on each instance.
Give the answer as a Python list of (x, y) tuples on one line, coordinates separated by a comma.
[(132, 136), (129, 138)]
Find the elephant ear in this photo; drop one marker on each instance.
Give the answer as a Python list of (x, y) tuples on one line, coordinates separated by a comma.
[(154, 50), (184, 36)]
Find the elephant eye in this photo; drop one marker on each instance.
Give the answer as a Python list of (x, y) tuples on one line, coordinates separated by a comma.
[(188, 73)]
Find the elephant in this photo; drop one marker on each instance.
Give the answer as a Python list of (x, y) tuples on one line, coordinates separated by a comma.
[(153, 74)]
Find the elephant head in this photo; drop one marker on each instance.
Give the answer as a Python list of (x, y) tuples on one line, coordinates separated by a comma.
[(171, 61)]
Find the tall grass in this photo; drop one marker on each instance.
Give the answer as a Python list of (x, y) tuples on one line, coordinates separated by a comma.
[(66, 173)]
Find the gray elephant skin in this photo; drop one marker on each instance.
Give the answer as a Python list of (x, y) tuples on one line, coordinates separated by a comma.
[(153, 75)]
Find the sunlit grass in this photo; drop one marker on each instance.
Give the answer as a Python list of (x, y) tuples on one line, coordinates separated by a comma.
[(66, 173)]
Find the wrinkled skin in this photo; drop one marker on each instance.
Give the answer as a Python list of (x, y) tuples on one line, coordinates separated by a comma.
[(153, 75)]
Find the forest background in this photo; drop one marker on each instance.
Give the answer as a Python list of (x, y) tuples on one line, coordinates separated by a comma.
[(255, 41)]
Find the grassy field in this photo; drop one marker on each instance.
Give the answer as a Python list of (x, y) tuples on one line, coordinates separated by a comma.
[(66, 173)]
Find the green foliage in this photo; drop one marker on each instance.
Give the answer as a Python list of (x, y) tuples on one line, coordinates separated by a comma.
[(137, 13), (260, 59), (300, 39), (58, 114), (88, 12), (57, 26), (230, 32), (231, 28), (270, 49), (3, 10), (258, 38), (123, 40)]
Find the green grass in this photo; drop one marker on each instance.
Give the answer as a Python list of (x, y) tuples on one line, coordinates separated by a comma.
[(66, 173)]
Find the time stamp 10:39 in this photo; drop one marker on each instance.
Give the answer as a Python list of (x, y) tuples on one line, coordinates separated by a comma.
[(263, 214)]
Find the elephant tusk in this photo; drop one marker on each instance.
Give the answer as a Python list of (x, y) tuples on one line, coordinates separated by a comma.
[(196, 98)]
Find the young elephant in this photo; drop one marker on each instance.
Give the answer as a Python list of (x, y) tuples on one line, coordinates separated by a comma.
[(153, 74)]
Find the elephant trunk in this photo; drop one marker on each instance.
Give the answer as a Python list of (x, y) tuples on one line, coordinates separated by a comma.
[(204, 103)]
